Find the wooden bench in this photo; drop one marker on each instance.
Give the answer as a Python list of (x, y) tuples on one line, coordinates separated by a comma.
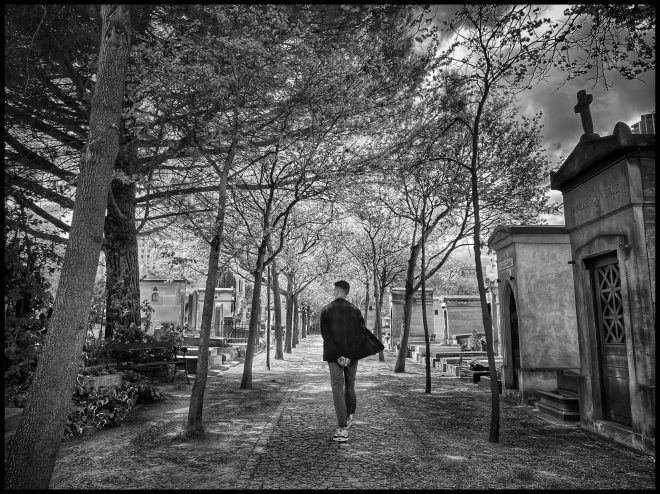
[(123, 352)]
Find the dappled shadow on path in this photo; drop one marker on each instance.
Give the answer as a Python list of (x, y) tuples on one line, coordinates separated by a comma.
[(278, 435)]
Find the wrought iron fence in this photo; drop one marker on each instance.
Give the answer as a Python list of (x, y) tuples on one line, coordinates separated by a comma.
[(234, 332)]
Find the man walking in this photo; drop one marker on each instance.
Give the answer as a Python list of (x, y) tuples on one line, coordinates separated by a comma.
[(345, 340)]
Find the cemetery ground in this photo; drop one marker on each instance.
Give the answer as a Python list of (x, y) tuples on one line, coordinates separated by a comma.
[(278, 435)]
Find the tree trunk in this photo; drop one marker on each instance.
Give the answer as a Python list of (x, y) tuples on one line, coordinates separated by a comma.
[(33, 450), (255, 317), (121, 259), (268, 320), (289, 315), (304, 322), (195, 424), (296, 322), (366, 300), (424, 318), (277, 305), (308, 311), (400, 365), (288, 340), (494, 431), (378, 301)]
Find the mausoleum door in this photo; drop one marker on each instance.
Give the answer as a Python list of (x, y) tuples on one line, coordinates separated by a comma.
[(515, 340), (613, 352)]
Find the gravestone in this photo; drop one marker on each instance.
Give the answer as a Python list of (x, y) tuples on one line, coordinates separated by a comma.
[(537, 309), (608, 188)]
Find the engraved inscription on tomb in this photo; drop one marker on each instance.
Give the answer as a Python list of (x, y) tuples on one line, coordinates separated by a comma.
[(505, 264), (602, 194)]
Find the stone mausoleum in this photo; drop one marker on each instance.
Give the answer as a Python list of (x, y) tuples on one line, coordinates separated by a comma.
[(166, 297), (174, 302), (223, 306), (416, 323), (537, 309), (461, 314), (608, 187)]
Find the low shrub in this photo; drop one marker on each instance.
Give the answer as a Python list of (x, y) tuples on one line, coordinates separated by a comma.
[(95, 351), (109, 406), (147, 392), (169, 331), (102, 408), (23, 344)]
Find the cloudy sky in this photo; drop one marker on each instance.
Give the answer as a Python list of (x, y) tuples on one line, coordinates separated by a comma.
[(562, 127), (624, 102)]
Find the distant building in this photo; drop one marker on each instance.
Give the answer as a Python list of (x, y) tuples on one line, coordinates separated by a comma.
[(176, 301), (646, 125), (148, 256)]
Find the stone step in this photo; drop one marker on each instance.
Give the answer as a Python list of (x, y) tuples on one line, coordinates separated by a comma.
[(418, 357), (451, 360), (215, 361), (560, 399), (194, 350), (434, 347), (565, 415), (465, 355), (455, 370), (193, 340), (457, 360)]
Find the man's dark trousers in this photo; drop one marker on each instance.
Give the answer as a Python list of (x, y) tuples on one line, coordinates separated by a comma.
[(342, 380)]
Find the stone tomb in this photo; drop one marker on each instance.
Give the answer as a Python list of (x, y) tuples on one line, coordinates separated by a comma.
[(537, 310), (223, 307), (416, 323), (608, 187), (461, 314)]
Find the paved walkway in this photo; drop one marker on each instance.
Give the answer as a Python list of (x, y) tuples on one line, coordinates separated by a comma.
[(297, 444), (278, 436), (402, 437)]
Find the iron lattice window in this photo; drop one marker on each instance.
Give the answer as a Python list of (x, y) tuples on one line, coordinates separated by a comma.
[(611, 304)]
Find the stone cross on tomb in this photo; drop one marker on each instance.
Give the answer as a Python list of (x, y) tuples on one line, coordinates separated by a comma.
[(582, 107)]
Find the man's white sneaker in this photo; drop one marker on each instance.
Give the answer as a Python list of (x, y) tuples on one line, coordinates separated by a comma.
[(350, 420), (340, 435)]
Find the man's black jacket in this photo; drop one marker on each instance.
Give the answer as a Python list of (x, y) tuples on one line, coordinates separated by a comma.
[(344, 332)]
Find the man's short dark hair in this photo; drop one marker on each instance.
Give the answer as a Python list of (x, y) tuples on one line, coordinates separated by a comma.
[(343, 285)]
